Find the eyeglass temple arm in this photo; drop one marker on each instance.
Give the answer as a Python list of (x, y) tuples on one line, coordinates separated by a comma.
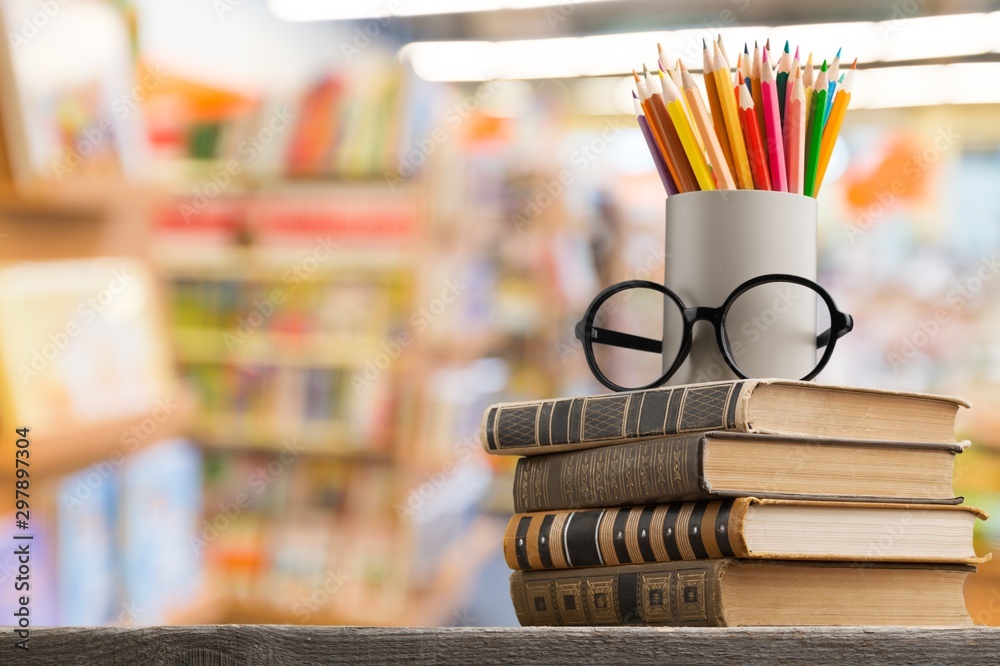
[(603, 336), (823, 339)]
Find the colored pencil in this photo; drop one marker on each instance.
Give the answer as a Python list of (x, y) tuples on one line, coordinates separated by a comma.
[(832, 128), (675, 108), (833, 78), (654, 126), (654, 149), (755, 149), (683, 172), (716, 156), (741, 66), (758, 99), (770, 125), (807, 88), (712, 92), (795, 133), (784, 67), (667, 66), (815, 133), (722, 47), (796, 67), (675, 76), (775, 145), (732, 119)]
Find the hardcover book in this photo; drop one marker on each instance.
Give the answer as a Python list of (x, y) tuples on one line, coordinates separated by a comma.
[(733, 593), (746, 527), (715, 465), (770, 406)]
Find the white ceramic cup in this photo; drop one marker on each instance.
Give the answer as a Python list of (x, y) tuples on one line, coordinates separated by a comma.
[(717, 240)]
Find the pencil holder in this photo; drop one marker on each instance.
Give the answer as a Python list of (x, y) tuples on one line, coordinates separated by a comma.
[(715, 242)]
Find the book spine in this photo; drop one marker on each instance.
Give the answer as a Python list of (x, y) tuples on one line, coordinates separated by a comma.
[(631, 535), (678, 594), (565, 424), (652, 471)]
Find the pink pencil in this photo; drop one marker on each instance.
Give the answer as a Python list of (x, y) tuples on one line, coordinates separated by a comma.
[(795, 133), (772, 124)]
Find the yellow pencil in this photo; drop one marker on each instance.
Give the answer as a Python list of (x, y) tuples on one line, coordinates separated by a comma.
[(675, 108), (716, 156), (715, 104), (832, 128), (727, 101)]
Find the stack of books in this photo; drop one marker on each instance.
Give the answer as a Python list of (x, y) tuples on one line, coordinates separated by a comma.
[(756, 502)]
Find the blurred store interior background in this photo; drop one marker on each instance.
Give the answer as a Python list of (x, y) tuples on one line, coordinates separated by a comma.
[(265, 262)]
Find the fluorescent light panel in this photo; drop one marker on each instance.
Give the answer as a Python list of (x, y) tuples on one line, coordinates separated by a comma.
[(603, 55), (334, 10)]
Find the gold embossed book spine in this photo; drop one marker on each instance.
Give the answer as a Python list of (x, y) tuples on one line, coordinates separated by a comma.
[(677, 594)]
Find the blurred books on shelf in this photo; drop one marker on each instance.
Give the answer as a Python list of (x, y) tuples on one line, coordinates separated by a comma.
[(69, 106), (111, 543), (353, 123)]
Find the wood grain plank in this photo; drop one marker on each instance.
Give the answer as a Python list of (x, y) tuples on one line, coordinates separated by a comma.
[(278, 645)]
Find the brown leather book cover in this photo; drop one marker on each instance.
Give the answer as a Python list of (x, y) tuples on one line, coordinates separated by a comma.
[(662, 470), (695, 593), (679, 593), (755, 406)]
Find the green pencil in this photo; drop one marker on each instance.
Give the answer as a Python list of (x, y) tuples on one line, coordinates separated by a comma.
[(817, 110)]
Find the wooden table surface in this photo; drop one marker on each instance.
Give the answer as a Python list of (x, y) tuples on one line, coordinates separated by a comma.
[(225, 645)]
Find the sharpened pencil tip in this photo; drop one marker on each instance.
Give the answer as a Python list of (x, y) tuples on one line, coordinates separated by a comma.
[(839, 50), (786, 47), (823, 68), (855, 65), (746, 49), (764, 56), (634, 96), (704, 44), (796, 53), (635, 75), (767, 44)]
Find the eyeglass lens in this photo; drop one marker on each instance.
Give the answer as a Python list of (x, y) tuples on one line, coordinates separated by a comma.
[(772, 329)]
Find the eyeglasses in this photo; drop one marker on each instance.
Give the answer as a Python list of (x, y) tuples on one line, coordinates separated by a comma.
[(636, 334)]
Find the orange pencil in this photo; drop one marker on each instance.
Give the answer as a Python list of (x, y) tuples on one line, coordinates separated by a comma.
[(712, 91), (654, 126), (795, 134), (751, 133), (720, 168), (685, 178), (833, 124)]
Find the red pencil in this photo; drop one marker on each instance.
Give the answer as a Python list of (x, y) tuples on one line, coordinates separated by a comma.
[(755, 147)]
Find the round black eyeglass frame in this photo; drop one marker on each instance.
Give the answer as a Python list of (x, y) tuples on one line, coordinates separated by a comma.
[(841, 323)]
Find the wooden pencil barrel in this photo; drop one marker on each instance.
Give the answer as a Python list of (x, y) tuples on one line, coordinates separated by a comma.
[(717, 240)]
